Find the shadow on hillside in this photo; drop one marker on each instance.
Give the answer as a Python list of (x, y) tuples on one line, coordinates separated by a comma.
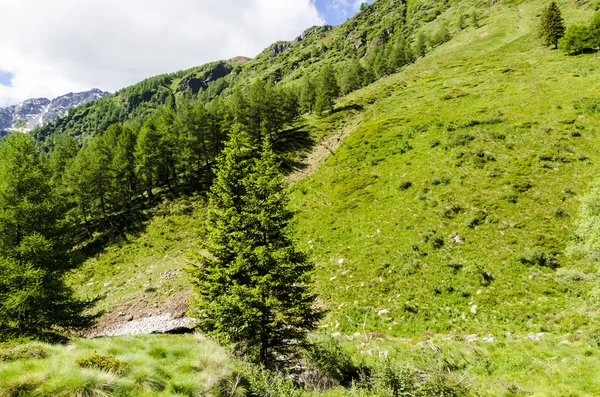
[(290, 144), (352, 106), (116, 228)]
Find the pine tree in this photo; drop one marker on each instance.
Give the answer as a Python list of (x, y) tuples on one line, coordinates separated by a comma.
[(253, 290), (33, 262), (148, 156), (401, 55), (327, 90), (552, 27), (124, 180)]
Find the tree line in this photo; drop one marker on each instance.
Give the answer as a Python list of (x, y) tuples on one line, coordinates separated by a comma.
[(74, 183)]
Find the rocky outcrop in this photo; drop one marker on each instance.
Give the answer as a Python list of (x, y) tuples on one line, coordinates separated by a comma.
[(279, 47), (36, 112), (195, 83), (162, 324)]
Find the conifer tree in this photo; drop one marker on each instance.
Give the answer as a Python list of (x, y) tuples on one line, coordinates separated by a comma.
[(352, 77), (124, 180), (552, 27), (327, 90), (253, 290), (595, 30), (33, 264), (308, 94), (147, 156), (420, 45), (401, 55)]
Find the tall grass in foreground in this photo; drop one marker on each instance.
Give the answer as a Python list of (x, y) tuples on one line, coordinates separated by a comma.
[(365, 366)]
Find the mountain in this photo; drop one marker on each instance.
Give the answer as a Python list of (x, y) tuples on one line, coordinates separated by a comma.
[(36, 112), (450, 205)]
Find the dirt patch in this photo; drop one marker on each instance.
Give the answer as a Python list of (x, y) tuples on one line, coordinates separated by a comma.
[(143, 308), (311, 162)]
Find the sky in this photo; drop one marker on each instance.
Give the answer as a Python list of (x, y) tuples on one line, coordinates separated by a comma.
[(51, 47)]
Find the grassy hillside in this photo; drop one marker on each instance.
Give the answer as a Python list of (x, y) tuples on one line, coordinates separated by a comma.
[(450, 207), (438, 203)]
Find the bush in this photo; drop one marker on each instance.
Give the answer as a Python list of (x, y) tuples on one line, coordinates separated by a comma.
[(595, 338), (588, 105), (439, 385), (405, 185), (260, 382), (327, 356), (578, 39), (104, 363), (539, 257), (395, 380), (12, 353)]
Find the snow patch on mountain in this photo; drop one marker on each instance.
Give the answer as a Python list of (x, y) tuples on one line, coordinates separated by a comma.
[(36, 112)]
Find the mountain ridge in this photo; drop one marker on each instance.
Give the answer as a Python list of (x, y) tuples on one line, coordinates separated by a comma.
[(36, 112)]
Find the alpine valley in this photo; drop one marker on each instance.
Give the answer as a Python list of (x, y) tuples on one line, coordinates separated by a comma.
[(407, 204)]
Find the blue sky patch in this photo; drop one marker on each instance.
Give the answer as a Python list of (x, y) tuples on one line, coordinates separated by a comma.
[(336, 12), (5, 78)]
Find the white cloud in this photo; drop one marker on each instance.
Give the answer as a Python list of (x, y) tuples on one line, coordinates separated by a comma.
[(56, 46)]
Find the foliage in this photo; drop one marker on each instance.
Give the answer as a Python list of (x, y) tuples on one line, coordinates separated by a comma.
[(329, 357), (327, 90), (552, 27), (20, 352), (33, 263), (105, 363), (577, 39), (253, 290)]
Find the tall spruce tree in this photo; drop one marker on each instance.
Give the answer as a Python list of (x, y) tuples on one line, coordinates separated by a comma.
[(552, 27), (253, 289), (33, 262)]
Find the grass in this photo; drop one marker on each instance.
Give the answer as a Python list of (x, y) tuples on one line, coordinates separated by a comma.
[(190, 365), (446, 211), (158, 366), (145, 268), (447, 183)]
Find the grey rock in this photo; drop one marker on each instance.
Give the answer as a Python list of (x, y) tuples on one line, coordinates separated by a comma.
[(36, 112)]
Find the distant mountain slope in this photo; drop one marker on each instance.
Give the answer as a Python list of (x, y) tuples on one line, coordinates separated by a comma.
[(284, 61), (39, 111)]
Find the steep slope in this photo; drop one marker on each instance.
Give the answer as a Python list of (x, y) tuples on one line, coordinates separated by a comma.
[(37, 112), (449, 208), (283, 61), (446, 208)]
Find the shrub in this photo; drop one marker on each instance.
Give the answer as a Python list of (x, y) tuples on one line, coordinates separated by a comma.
[(405, 185), (539, 257), (260, 382), (22, 352), (595, 338), (578, 39), (391, 379), (328, 356), (439, 385), (588, 105), (104, 363)]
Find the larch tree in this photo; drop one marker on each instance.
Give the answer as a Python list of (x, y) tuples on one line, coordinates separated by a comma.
[(253, 289), (33, 294), (327, 90)]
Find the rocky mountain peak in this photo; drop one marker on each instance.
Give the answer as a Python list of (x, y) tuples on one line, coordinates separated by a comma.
[(35, 112)]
